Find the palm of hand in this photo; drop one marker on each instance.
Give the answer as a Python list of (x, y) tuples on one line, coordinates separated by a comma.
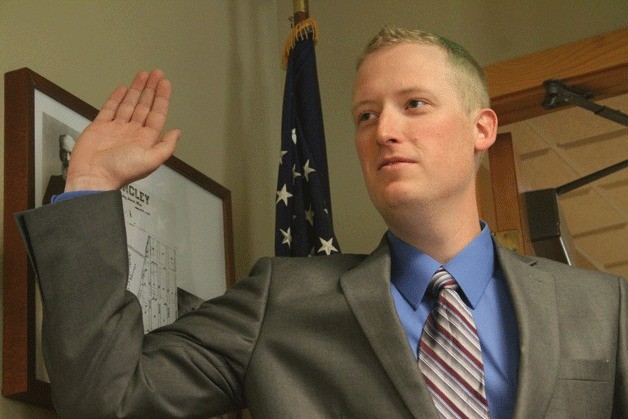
[(124, 142), (114, 153)]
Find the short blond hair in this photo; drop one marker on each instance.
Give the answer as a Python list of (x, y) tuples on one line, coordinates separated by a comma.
[(469, 77)]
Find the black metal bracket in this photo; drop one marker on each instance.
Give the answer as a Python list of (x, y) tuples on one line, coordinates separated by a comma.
[(559, 94)]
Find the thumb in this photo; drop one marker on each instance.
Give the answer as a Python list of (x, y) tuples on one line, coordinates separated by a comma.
[(165, 148)]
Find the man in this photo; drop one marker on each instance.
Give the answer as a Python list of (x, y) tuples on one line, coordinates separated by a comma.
[(56, 183), (339, 336)]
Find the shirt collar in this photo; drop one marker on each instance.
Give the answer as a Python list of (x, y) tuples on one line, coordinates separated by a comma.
[(472, 267)]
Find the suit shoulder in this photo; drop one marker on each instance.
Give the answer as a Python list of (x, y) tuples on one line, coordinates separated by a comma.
[(290, 278), (558, 269), (295, 269), (561, 269), (333, 263)]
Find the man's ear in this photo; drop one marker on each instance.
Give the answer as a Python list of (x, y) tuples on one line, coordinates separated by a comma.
[(486, 129)]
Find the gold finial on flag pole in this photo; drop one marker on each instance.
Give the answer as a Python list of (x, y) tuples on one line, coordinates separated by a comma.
[(301, 10)]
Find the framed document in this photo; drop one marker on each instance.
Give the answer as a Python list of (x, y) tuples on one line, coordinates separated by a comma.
[(178, 221)]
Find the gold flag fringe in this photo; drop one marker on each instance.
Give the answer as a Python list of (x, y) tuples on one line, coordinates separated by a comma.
[(298, 33)]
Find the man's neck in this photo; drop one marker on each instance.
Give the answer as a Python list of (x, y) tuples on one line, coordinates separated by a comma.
[(440, 235)]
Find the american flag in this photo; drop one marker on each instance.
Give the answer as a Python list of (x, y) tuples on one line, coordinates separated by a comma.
[(303, 224)]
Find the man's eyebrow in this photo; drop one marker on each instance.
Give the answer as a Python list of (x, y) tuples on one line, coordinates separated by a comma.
[(415, 90), (412, 90), (361, 103)]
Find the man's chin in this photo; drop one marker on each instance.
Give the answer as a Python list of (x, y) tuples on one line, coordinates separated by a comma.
[(389, 203)]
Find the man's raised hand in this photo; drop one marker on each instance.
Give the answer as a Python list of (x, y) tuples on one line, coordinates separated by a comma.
[(124, 143)]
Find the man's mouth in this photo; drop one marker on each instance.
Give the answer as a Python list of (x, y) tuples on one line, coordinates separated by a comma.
[(393, 161)]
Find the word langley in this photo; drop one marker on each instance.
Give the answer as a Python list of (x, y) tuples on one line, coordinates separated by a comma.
[(136, 193)]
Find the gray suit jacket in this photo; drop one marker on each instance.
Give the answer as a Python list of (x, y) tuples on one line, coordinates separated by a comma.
[(312, 337)]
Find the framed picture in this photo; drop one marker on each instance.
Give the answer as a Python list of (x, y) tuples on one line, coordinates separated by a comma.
[(179, 228)]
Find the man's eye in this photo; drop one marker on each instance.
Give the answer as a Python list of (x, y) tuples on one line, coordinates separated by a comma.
[(415, 103), (365, 116)]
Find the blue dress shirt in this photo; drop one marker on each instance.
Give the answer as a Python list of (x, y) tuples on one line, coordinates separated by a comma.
[(484, 290), (69, 195)]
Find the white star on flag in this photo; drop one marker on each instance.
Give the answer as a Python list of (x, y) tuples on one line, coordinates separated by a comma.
[(283, 195), (307, 170), (327, 247), (287, 237), (294, 135), (283, 153), (295, 174)]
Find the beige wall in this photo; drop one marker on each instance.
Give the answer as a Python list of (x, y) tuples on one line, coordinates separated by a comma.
[(223, 59)]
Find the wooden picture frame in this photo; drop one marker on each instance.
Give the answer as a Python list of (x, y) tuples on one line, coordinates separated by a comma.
[(38, 113)]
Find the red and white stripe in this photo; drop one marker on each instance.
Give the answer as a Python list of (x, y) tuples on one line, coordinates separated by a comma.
[(449, 355)]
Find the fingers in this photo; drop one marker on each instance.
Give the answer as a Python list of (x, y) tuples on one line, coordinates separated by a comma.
[(147, 96), (108, 110), (156, 118), (127, 106), (122, 101), (145, 102)]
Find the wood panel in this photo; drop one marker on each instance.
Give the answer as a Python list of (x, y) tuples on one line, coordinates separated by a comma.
[(598, 64), (501, 204)]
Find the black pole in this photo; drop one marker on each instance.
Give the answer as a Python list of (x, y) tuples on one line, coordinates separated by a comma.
[(591, 178)]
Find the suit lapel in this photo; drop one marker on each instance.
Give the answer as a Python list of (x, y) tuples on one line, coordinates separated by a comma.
[(534, 299), (367, 290)]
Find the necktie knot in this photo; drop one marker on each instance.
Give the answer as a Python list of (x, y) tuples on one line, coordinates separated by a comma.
[(441, 280)]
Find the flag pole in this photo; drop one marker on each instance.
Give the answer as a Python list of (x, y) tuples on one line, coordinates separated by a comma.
[(301, 10)]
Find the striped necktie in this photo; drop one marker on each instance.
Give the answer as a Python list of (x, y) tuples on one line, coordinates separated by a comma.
[(449, 354)]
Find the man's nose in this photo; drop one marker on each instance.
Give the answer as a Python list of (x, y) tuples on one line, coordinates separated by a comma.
[(387, 127)]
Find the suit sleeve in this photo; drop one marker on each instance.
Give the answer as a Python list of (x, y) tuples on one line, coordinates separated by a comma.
[(99, 361)]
